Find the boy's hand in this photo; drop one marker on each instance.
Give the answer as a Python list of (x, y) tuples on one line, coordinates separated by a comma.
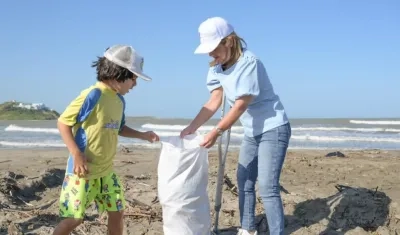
[(187, 131), (150, 136), (80, 165)]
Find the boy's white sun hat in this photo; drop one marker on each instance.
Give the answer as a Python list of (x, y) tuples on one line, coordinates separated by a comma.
[(212, 31), (127, 57)]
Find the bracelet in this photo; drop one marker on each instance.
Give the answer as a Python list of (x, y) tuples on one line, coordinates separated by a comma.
[(219, 131)]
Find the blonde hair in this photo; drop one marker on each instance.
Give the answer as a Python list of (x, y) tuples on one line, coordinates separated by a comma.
[(236, 49)]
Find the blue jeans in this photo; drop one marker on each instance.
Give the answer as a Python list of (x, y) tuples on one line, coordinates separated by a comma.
[(262, 157)]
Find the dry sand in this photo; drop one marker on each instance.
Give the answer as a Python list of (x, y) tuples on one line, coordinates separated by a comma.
[(358, 194)]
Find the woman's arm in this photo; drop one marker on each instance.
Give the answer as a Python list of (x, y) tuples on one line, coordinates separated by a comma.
[(238, 108), (231, 117), (208, 109), (246, 88)]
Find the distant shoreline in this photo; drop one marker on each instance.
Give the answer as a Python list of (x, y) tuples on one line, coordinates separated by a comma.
[(15, 110)]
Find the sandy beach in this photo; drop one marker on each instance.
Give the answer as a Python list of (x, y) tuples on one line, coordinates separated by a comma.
[(357, 194)]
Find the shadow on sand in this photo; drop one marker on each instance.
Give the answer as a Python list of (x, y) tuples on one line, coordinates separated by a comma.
[(20, 190), (349, 208)]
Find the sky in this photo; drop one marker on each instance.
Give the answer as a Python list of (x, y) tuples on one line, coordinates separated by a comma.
[(325, 59)]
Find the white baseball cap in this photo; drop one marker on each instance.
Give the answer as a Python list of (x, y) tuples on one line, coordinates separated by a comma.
[(127, 57), (212, 31)]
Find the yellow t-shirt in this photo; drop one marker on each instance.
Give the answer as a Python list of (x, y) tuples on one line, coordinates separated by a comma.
[(97, 116)]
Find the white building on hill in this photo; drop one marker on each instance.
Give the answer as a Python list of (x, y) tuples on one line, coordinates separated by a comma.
[(34, 106)]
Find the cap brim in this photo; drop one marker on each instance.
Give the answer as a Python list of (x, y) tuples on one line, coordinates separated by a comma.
[(206, 48), (142, 76)]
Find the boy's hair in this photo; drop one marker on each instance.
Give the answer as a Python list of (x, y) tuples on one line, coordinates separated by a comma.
[(107, 70)]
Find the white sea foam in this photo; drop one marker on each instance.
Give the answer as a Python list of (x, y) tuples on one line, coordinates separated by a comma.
[(377, 122), (318, 135), (166, 130), (179, 128), (343, 138), (13, 127)]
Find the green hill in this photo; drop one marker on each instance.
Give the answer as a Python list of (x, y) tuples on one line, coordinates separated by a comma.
[(8, 111)]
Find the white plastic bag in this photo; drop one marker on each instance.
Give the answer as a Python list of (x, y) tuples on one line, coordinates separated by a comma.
[(182, 186)]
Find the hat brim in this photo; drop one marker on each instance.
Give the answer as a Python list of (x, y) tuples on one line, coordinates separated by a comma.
[(205, 48), (141, 75)]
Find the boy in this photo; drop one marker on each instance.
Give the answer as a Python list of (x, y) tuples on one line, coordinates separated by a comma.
[(89, 127)]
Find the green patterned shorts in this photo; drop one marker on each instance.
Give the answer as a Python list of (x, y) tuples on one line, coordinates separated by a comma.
[(77, 194)]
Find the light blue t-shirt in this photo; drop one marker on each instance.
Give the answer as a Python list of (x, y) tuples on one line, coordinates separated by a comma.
[(249, 77)]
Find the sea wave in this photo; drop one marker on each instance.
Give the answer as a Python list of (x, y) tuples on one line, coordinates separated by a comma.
[(55, 144), (14, 144), (179, 128), (239, 129), (236, 131), (377, 122), (13, 127), (345, 129), (28, 145), (343, 138), (31, 144)]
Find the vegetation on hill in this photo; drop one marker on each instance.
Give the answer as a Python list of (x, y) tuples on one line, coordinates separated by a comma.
[(8, 111)]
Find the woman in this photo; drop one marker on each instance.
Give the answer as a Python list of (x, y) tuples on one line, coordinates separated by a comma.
[(239, 75)]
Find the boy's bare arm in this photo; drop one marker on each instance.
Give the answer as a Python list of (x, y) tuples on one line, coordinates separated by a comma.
[(68, 138), (131, 133)]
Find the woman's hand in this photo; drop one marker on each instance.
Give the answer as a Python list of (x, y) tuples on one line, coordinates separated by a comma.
[(210, 139)]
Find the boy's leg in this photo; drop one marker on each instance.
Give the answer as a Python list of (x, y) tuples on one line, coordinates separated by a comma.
[(115, 222), (76, 194), (66, 226), (111, 199)]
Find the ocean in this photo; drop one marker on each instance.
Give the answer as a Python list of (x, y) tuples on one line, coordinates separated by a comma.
[(337, 134)]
